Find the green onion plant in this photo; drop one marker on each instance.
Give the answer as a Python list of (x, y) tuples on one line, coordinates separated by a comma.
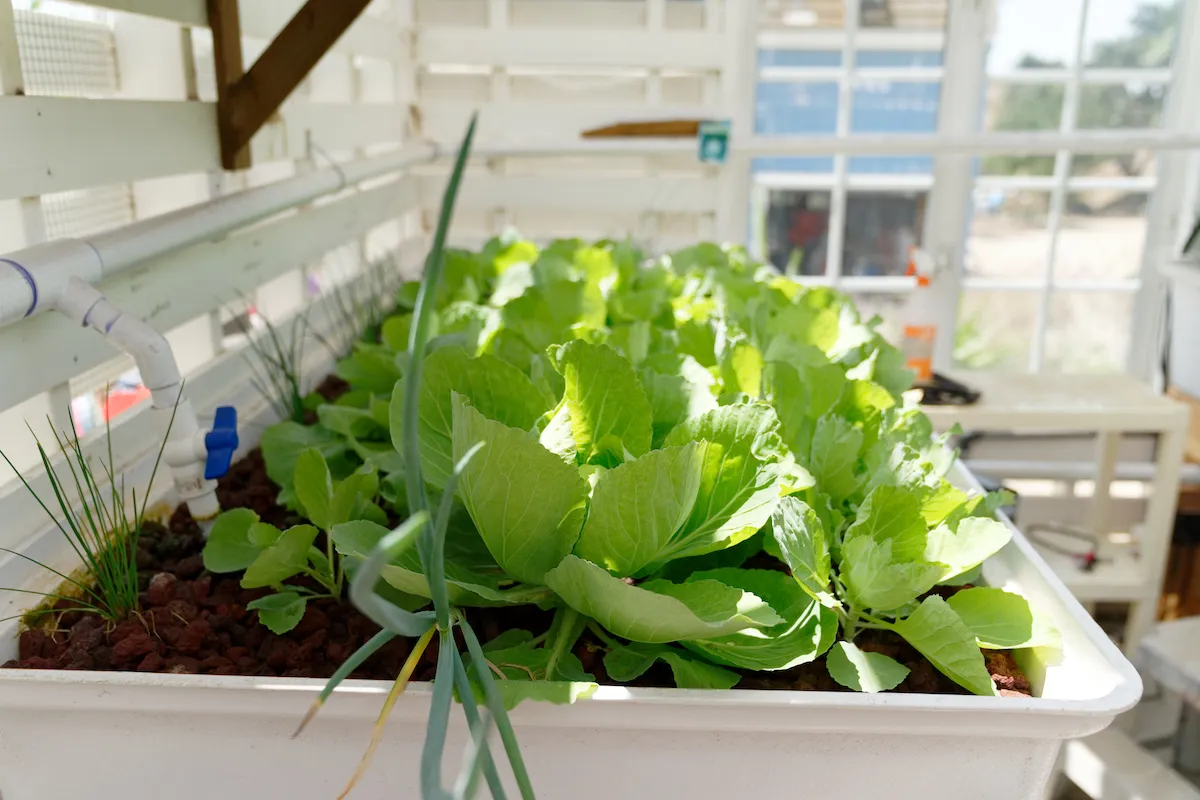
[(425, 529), (97, 523)]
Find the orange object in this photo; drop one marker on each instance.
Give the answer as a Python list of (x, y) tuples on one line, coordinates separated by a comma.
[(118, 402), (919, 330)]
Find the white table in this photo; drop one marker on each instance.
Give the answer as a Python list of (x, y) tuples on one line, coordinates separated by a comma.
[(1109, 406)]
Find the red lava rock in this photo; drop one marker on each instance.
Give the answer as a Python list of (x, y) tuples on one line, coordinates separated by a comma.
[(280, 654), (193, 636), (190, 567), (129, 627), (131, 647), (213, 663), (201, 587), (237, 653), (314, 620), (162, 589), (34, 643), (38, 662), (182, 610), (88, 633), (153, 662)]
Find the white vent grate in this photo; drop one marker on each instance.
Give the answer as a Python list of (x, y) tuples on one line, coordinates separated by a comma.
[(82, 212), (66, 57)]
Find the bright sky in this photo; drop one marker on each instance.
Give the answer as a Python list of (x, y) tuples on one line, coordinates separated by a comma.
[(1046, 28)]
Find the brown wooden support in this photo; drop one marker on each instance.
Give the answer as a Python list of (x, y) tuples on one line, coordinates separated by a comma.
[(246, 99)]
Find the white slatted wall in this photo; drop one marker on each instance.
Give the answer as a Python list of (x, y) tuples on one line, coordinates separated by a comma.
[(542, 71), (107, 114)]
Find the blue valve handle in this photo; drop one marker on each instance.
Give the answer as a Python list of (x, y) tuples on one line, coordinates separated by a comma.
[(221, 442)]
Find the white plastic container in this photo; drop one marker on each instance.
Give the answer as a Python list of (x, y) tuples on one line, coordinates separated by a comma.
[(1184, 275), (191, 737), (134, 736)]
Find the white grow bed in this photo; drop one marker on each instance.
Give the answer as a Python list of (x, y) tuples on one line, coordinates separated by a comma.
[(178, 737)]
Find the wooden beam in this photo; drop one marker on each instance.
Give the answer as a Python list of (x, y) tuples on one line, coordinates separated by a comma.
[(227, 63), (251, 98), (658, 128)]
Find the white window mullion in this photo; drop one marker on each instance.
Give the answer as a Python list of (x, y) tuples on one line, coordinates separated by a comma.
[(738, 97), (837, 200), (1058, 195), (947, 211)]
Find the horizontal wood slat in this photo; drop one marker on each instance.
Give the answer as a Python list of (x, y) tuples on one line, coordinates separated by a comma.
[(573, 47), (369, 36), (570, 193), (131, 140), (443, 120)]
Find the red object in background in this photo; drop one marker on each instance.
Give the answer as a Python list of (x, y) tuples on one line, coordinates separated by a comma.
[(807, 226), (119, 401)]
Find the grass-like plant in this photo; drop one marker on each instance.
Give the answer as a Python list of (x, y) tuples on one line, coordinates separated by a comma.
[(360, 305), (276, 364), (427, 532), (1193, 238), (99, 525)]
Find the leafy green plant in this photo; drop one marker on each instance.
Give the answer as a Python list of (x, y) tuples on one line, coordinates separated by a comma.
[(691, 461), (97, 522), (239, 541)]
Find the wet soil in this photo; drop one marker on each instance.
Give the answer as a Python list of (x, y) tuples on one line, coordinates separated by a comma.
[(192, 621)]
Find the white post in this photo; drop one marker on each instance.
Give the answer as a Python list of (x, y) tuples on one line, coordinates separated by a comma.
[(947, 213), (738, 81)]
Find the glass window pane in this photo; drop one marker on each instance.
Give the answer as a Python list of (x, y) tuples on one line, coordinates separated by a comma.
[(795, 108), (898, 58), (894, 107), (1016, 165), (1024, 106), (1128, 105), (927, 15), (800, 14), (995, 330), (1088, 331), (1131, 33), (797, 230), (880, 229), (1034, 33), (793, 164), (890, 165), (1102, 236), (1138, 164), (1009, 237), (799, 58)]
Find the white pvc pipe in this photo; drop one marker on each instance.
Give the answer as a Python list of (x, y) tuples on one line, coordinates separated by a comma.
[(185, 452), (37, 274)]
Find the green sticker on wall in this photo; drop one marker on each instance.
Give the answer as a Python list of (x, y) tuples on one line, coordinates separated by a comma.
[(714, 141)]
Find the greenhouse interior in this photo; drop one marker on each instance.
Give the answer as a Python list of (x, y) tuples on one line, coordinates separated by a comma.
[(331, 330)]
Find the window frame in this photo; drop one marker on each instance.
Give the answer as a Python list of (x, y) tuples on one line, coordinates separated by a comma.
[(1174, 185)]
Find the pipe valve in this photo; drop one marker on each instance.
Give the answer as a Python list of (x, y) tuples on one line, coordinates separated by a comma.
[(220, 443)]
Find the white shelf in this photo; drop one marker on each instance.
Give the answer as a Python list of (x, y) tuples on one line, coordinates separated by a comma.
[(1120, 580), (1045, 402)]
